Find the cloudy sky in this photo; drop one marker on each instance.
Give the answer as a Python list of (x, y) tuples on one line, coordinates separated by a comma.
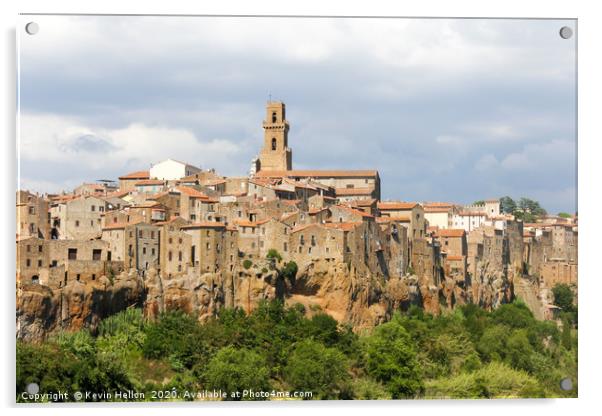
[(446, 110)]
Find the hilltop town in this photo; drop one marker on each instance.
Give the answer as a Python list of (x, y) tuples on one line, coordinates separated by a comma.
[(178, 236)]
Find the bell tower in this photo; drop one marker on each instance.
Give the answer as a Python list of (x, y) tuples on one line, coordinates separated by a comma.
[(275, 154)]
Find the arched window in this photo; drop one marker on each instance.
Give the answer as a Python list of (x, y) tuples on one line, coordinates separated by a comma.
[(274, 143), (35, 280), (274, 117)]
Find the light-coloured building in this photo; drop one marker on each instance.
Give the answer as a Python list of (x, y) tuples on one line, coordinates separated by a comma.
[(172, 169)]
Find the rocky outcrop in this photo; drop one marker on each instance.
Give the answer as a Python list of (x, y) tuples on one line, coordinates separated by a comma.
[(347, 294), (41, 310)]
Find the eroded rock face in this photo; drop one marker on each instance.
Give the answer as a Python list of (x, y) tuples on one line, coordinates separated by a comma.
[(41, 310), (348, 295)]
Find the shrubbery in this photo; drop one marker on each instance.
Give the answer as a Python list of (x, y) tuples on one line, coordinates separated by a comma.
[(467, 353)]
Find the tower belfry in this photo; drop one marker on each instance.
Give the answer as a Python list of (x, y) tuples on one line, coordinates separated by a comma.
[(275, 154)]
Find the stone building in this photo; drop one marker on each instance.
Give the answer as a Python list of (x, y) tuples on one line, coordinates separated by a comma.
[(33, 218), (453, 242), (195, 205), (412, 211), (32, 261), (77, 219), (275, 154), (210, 246), (310, 242), (127, 182), (174, 248)]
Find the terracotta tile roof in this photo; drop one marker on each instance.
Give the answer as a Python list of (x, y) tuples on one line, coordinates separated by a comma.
[(191, 192), (120, 225), (353, 191), (472, 214), (210, 182), (117, 194), (394, 219), (433, 210), (303, 227), (287, 215), (141, 174), (451, 232), (437, 205), (317, 173), (396, 205), (364, 202), (246, 223), (345, 226), (149, 182), (314, 211), (205, 224), (353, 211)]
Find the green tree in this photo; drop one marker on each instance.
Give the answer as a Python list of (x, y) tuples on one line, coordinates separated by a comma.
[(564, 215), (507, 205), (563, 296), (316, 368), (391, 359), (273, 254), (289, 271), (236, 370)]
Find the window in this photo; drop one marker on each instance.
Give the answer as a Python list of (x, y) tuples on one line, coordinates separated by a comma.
[(302, 240), (169, 256), (274, 117), (28, 263), (72, 254), (96, 253), (77, 223), (35, 280), (93, 208), (285, 247), (179, 256), (170, 240), (28, 248), (179, 240), (152, 234), (208, 246), (274, 143), (140, 234), (40, 249), (143, 250), (32, 210), (93, 276), (153, 251), (313, 240)]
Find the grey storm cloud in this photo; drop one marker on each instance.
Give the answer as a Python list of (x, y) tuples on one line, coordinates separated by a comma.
[(454, 110)]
